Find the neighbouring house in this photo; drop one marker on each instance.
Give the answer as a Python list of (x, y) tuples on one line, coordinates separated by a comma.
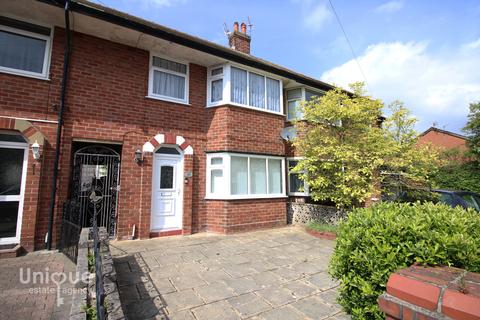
[(443, 139), (176, 134)]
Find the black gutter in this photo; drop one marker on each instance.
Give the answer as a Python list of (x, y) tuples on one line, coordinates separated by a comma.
[(66, 62), (190, 43)]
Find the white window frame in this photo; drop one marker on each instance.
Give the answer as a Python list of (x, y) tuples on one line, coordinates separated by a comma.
[(210, 79), (225, 193), (302, 98), (44, 75), (305, 192), (227, 88), (184, 75), (20, 198)]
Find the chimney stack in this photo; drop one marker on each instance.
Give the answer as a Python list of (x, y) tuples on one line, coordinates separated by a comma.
[(239, 40)]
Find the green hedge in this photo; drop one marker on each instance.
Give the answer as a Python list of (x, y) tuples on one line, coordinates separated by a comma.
[(372, 243)]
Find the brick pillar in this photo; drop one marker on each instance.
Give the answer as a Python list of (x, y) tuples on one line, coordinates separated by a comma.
[(432, 293)]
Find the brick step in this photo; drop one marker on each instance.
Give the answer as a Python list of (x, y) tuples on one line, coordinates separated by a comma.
[(10, 251)]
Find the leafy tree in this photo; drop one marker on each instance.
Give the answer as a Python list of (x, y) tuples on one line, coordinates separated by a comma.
[(346, 149), (472, 129), (408, 165)]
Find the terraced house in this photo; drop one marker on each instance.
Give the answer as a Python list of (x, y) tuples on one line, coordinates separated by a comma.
[(177, 134)]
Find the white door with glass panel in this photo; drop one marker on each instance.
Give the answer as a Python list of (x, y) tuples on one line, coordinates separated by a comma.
[(167, 192), (13, 167)]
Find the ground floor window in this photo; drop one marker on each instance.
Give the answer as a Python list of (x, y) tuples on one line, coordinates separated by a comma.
[(243, 176), (296, 186)]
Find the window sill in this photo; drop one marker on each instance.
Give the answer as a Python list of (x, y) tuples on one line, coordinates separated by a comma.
[(226, 104), (298, 194), (22, 74), (168, 100), (245, 197)]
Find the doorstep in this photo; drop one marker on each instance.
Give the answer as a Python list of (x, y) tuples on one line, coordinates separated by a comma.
[(156, 234)]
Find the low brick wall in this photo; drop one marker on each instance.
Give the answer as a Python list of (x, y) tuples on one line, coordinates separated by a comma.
[(432, 293), (304, 213), (85, 296)]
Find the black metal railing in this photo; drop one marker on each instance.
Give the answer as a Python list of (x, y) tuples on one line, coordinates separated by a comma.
[(69, 233), (99, 290)]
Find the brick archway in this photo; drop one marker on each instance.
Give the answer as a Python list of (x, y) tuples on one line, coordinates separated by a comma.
[(26, 128), (167, 138)]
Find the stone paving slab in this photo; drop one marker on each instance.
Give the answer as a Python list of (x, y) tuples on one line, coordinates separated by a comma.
[(265, 275)]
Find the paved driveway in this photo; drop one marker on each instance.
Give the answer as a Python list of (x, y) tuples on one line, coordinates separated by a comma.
[(273, 274), (29, 290)]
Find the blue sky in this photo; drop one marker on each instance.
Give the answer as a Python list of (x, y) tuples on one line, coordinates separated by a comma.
[(425, 53)]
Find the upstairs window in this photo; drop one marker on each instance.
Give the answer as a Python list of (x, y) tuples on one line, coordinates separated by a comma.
[(244, 88), (294, 99), (216, 85), (240, 176), (24, 48), (168, 80)]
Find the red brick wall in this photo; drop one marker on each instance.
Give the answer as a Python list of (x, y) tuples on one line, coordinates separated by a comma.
[(244, 215), (442, 140), (106, 102), (431, 293)]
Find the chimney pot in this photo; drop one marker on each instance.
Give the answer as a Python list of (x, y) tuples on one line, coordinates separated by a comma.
[(239, 41)]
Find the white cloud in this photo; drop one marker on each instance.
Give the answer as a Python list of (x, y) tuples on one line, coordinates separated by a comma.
[(316, 15), (390, 6), (435, 87)]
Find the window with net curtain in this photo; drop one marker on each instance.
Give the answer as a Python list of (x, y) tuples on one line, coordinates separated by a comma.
[(255, 90), (248, 175), (169, 78), (216, 84), (238, 90), (23, 47)]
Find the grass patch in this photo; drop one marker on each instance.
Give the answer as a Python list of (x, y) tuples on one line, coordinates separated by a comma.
[(323, 227)]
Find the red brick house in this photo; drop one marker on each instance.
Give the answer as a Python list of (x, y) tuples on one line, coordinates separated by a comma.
[(443, 139), (177, 134)]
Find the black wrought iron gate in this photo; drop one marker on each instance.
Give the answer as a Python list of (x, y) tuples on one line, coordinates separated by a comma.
[(95, 168)]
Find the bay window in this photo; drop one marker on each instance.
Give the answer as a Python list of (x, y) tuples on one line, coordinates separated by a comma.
[(24, 48), (242, 176), (296, 186), (168, 80), (294, 99), (245, 88)]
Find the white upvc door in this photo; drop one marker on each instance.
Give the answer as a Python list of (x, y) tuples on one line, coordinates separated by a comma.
[(167, 193), (13, 172)]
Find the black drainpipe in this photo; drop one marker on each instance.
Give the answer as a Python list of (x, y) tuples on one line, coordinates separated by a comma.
[(66, 61)]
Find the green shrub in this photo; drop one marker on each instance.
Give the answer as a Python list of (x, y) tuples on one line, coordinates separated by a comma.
[(323, 227), (374, 242), (458, 176)]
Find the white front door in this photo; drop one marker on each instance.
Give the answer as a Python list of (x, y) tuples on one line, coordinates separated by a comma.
[(167, 193), (13, 171)]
